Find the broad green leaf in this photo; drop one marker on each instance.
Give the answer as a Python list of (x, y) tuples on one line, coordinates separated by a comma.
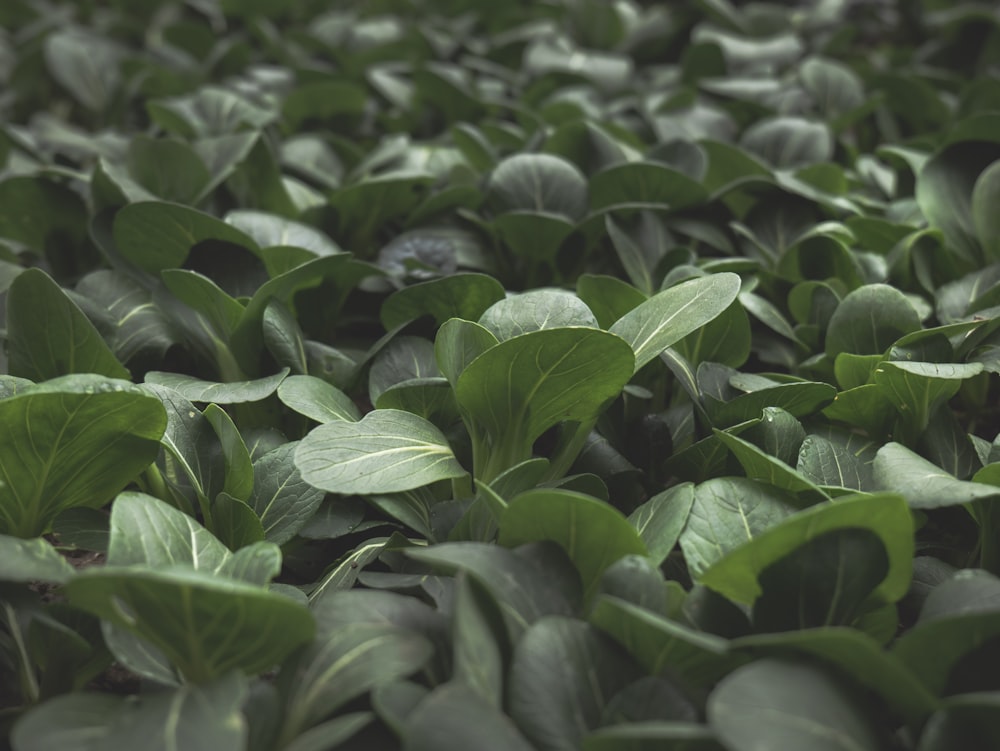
[(562, 672), (944, 191), (854, 654), (967, 721), (284, 338), (168, 168), (192, 461), (826, 462), (208, 111), (727, 513), (140, 326), (49, 336), (523, 386), (537, 182), (773, 702), (88, 66), (608, 297), (197, 390), (386, 451), (985, 200), (759, 466), (331, 733), (918, 389), (724, 339), (200, 718), (923, 484), (536, 310), (672, 314), (452, 718), (593, 533), (532, 235), (271, 230), (405, 358), (205, 625), (147, 531), (955, 636), (154, 236), (72, 441), (652, 735), (663, 646), (458, 343), (281, 498), (317, 399), (522, 589), (786, 142), (835, 87), (823, 582), (638, 255), (660, 520), (239, 469), (477, 633), (32, 561), (643, 185), (869, 320), (463, 296), (343, 662), (736, 575)]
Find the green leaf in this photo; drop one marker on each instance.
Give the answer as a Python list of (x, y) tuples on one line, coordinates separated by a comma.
[(852, 653), (281, 498), (660, 520), (205, 625), (786, 142), (823, 582), (537, 182), (836, 89), (798, 398), (154, 236), (464, 296), (944, 191), (405, 358), (771, 703), (49, 336), (561, 675), (169, 169), (458, 343), (72, 441), (918, 389), (536, 310), (452, 718), (725, 339), (985, 199), (727, 513), (608, 297), (200, 718), (32, 560), (736, 575), (284, 338), (477, 634), (829, 463), (643, 185), (663, 646), (197, 390), (869, 320), (672, 314), (652, 735), (762, 467), (593, 533), (145, 531), (317, 399), (386, 451), (342, 662), (523, 589), (956, 634), (523, 386), (88, 66), (924, 485), (531, 235)]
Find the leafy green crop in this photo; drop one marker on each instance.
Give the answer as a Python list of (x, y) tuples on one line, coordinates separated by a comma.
[(445, 374)]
